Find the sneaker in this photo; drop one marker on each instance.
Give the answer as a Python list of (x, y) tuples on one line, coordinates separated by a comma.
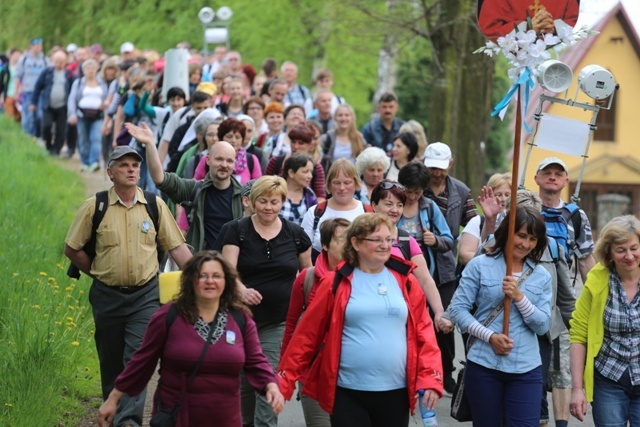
[(84, 168), (94, 167), (449, 385)]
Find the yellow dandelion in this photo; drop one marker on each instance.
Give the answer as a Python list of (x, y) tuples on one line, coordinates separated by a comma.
[(70, 307), (68, 288), (15, 274), (75, 343), (81, 292), (36, 307), (42, 273), (60, 266), (58, 323), (52, 279), (9, 405)]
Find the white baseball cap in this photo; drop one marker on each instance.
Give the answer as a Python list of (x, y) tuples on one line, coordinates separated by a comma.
[(437, 155), (552, 161), (72, 47), (127, 47)]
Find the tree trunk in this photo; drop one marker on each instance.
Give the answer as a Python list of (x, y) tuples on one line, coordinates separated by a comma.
[(387, 60), (461, 90)]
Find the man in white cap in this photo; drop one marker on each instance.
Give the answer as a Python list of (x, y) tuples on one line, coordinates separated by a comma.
[(455, 201), (127, 51), (570, 227)]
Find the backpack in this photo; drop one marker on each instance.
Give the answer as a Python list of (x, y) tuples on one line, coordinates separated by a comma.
[(557, 220), (322, 207), (102, 203), (404, 243), (347, 269)]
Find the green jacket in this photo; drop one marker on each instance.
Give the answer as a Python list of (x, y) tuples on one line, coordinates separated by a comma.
[(181, 190), (587, 326)]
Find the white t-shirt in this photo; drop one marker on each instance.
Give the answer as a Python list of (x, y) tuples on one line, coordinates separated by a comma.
[(307, 221)]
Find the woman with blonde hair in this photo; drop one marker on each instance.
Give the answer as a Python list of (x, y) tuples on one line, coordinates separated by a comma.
[(344, 141), (605, 330), (268, 252)]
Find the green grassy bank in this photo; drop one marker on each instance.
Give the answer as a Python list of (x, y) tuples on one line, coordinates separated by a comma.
[(48, 364)]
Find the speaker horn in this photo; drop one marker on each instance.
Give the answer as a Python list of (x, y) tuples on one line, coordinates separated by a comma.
[(206, 15), (555, 76), (596, 82)]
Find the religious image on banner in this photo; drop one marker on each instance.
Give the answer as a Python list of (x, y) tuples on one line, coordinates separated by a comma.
[(498, 18)]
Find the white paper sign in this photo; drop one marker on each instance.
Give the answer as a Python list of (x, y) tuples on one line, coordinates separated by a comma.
[(562, 135)]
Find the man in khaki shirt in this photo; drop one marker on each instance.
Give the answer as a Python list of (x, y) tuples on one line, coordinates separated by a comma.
[(124, 293)]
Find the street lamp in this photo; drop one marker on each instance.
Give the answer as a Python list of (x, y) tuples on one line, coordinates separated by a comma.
[(215, 31)]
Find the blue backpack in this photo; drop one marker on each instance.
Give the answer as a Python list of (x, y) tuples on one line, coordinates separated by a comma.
[(557, 221)]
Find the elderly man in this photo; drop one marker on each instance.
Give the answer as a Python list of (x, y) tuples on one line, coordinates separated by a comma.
[(296, 93), (214, 202), (50, 95), (124, 293), (322, 112)]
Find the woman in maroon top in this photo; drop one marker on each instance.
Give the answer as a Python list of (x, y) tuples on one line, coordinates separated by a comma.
[(208, 299)]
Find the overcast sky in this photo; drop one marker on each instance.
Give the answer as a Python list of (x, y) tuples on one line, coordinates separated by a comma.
[(592, 10)]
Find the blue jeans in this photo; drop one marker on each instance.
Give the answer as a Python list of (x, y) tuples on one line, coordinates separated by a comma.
[(29, 118), (90, 140), (492, 393), (146, 183), (615, 402)]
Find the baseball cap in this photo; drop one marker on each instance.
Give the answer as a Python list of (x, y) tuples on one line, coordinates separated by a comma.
[(72, 47), (127, 47), (37, 40), (123, 150), (437, 155), (246, 188), (552, 161)]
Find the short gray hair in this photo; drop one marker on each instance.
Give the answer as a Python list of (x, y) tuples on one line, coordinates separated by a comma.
[(369, 157), (202, 125), (89, 62), (526, 198)]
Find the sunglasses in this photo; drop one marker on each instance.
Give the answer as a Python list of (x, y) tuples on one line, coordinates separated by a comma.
[(388, 185)]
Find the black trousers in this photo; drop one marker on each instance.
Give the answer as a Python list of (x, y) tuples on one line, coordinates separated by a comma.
[(355, 408), (72, 139), (54, 118), (446, 342)]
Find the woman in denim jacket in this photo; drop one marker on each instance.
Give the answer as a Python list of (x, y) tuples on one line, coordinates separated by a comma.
[(503, 375)]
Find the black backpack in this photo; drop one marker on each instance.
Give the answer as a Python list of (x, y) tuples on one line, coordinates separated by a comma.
[(102, 203)]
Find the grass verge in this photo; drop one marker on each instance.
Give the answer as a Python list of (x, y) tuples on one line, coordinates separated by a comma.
[(48, 365)]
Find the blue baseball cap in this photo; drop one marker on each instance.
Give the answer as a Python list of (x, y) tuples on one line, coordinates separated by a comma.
[(36, 41)]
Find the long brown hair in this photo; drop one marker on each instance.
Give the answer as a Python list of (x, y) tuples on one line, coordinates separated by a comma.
[(533, 221)]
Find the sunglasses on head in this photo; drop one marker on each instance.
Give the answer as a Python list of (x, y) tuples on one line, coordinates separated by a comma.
[(388, 185)]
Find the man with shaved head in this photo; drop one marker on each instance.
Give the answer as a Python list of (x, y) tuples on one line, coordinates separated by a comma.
[(213, 202), (50, 95)]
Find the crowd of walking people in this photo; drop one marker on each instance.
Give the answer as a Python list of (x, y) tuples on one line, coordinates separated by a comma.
[(318, 257)]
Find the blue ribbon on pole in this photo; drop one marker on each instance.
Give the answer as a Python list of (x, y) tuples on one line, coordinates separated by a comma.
[(525, 79)]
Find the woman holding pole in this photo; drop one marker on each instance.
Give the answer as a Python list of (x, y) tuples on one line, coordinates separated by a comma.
[(503, 373)]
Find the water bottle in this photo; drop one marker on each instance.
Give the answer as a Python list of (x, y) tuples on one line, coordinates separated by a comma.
[(428, 415)]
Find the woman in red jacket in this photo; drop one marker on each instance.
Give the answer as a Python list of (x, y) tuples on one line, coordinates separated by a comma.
[(367, 341)]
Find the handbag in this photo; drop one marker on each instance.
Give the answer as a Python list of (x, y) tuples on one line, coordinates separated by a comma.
[(91, 113), (167, 417), (460, 409)]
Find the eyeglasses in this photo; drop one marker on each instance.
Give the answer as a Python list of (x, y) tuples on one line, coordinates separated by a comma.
[(388, 185), (204, 277), (378, 240)]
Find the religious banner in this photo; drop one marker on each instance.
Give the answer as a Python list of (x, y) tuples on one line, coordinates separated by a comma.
[(498, 18)]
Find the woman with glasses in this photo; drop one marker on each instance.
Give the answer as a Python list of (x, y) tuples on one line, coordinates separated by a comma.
[(268, 252), (254, 108), (367, 341), (208, 307), (389, 198)]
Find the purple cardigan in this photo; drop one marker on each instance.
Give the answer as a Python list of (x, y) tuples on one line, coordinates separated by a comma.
[(214, 394)]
